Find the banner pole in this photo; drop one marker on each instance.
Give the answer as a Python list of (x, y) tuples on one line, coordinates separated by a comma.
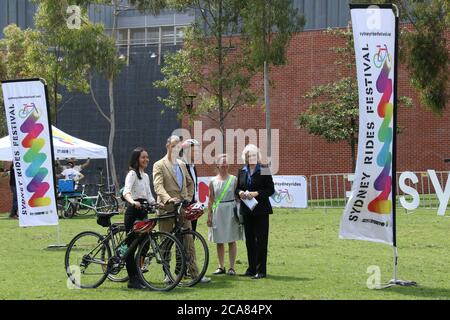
[(58, 233), (395, 280)]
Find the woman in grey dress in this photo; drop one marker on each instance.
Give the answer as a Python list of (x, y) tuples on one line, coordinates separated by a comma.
[(223, 227)]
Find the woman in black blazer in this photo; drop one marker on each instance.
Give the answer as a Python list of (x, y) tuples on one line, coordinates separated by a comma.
[(255, 181)]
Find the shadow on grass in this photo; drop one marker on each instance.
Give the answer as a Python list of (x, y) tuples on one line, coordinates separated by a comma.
[(286, 278), (423, 292)]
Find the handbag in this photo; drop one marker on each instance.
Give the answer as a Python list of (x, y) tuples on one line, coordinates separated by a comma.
[(238, 215)]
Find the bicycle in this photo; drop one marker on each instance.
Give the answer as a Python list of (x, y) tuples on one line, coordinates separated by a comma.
[(282, 194), (104, 201), (379, 57), (201, 252), (193, 274), (98, 259), (28, 109), (66, 206)]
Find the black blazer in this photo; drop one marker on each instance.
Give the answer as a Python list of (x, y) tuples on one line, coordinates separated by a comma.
[(261, 183)]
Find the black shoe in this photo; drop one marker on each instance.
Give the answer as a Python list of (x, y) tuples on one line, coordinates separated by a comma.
[(259, 276), (136, 284), (247, 274)]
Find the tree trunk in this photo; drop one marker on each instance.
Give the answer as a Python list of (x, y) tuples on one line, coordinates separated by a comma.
[(220, 61), (268, 118), (112, 133)]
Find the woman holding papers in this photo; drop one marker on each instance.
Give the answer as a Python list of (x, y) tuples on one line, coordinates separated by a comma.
[(223, 227), (254, 187)]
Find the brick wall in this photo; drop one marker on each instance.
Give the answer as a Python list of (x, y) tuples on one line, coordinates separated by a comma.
[(423, 144)]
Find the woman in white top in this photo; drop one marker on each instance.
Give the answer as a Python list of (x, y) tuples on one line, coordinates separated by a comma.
[(136, 190)]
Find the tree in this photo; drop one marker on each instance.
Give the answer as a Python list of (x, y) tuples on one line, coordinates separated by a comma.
[(334, 111), (424, 48), (268, 26), (27, 56), (212, 63), (86, 50)]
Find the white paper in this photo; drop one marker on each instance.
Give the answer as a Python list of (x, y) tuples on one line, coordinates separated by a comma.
[(250, 203)]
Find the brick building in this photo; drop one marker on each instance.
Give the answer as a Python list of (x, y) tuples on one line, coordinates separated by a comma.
[(423, 144)]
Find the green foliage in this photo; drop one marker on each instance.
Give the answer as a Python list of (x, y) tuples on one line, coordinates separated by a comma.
[(152, 6), (335, 117), (334, 110), (24, 55), (215, 68), (268, 27), (424, 48)]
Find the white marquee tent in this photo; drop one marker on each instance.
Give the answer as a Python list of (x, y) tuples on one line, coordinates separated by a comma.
[(65, 146)]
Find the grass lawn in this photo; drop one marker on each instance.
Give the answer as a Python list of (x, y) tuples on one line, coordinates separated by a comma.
[(306, 261)]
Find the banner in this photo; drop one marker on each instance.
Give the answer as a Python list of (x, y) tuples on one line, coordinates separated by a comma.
[(290, 191), (369, 212), (29, 131)]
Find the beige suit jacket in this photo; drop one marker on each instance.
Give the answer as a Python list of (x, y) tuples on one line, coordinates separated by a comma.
[(165, 183)]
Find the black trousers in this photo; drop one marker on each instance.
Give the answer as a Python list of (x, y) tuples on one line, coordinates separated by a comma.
[(132, 215), (194, 224), (14, 207), (256, 229)]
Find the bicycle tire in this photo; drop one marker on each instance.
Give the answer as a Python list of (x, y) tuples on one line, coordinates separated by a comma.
[(163, 249), (104, 247), (196, 237), (104, 205)]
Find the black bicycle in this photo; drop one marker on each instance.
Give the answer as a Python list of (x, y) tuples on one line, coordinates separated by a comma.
[(197, 258), (90, 257), (196, 262)]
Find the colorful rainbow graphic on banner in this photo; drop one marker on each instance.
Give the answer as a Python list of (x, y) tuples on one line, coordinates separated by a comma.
[(35, 158), (383, 203)]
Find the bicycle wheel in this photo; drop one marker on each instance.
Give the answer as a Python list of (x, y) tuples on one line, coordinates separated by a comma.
[(105, 205), (86, 258), (197, 261), (163, 260), (66, 209), (119, 235), (83, 210)]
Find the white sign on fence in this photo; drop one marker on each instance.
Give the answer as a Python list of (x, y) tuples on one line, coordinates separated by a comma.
[(290, 191)]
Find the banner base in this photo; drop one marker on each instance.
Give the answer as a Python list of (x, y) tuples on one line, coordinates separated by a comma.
[(403, 283), (393, 282)]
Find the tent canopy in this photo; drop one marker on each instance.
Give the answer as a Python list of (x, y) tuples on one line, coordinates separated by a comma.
[(64, 145)]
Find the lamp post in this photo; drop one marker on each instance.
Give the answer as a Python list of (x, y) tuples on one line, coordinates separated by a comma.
[(190, 107)]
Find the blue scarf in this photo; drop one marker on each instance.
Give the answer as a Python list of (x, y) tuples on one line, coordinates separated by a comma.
[(249, 177)]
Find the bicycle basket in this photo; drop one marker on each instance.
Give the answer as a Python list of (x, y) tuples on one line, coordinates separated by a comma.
[(104, 221), (144, 226)]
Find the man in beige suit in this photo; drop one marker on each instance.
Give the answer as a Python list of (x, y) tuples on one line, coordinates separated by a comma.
[(172, 183)]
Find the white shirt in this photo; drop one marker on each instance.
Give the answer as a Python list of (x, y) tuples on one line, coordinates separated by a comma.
[(194, 178), (138, 188), (71, 174)]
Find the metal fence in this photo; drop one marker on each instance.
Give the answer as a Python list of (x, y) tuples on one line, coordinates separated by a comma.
[(329, 191)]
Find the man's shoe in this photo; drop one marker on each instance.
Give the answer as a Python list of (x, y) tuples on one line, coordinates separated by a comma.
[(136, 285), (259, 276), (205, 280), (247, 274)]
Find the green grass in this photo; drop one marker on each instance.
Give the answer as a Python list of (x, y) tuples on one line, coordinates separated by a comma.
[(306, 261)]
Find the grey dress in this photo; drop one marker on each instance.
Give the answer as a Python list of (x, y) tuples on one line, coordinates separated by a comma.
[(225, 228)]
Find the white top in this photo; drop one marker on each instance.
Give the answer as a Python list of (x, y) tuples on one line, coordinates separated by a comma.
[(138, 188), (71, 174), (78, 168)]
